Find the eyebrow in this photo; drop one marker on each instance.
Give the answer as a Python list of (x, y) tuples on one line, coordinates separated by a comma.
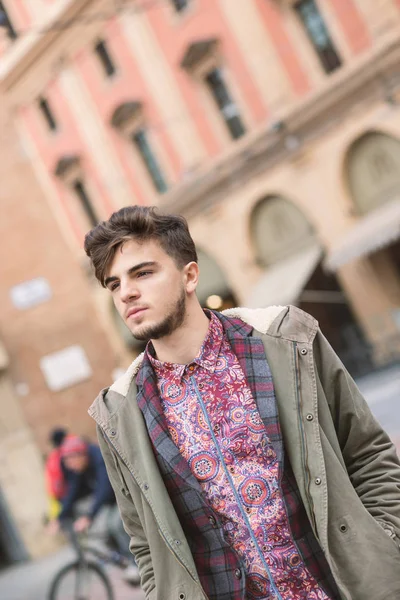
[(131, 271)]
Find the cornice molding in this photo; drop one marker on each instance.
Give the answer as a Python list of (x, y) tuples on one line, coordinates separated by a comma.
[(27, 49), (361, 82)]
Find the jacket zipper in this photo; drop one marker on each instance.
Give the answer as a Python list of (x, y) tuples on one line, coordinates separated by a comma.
[(303, 444), (159, 529)]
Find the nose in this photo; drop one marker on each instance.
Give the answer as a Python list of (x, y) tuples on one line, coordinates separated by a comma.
[(128, 291)]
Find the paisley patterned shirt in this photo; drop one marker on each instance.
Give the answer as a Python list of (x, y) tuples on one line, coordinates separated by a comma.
[(213, 420)]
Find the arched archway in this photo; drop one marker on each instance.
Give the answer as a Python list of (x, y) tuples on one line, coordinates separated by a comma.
[(287, 247), (372, 171), (372, 174), (278, 230), (213, 290)]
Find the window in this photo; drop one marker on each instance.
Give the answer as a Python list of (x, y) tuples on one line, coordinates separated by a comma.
[(80, 190), (141, 142), (318, 34), (180, 5), (6, 23), (105, 58), (226, 105), (47, 114)]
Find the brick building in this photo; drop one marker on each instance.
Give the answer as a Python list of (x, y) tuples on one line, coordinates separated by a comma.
[(273, 125)]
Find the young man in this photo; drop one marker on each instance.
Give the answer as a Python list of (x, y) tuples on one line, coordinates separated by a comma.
[(245, 462)]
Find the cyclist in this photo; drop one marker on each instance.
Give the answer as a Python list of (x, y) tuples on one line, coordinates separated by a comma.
[(55, 473), (90, 491)]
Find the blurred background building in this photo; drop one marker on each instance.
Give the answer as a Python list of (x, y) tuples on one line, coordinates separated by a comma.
[(272, 125)]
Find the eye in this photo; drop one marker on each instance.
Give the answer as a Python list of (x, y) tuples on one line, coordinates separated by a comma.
[(113, 286), (144, 273)]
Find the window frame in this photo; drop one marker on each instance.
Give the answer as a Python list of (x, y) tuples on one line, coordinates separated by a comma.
[(103, 55), (180, 9), (8, 25), (79, 188), (149, 158), (328, 57), (47, 113), (234, 123)]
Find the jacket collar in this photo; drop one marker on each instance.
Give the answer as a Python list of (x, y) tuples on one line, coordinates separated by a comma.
[(259, 319), (285, 322)]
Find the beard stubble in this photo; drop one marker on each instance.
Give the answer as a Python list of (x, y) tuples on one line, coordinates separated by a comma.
[(171, 322)]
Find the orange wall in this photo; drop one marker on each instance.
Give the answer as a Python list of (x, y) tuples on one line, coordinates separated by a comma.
[(126, 85), (354, 27), (19, 14), (65, 141), (272, 17), (174, 35)]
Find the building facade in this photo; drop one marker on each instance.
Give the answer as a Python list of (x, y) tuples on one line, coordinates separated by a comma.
[(273, 125)]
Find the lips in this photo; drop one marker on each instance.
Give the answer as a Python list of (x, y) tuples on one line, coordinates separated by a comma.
[(134, 311)]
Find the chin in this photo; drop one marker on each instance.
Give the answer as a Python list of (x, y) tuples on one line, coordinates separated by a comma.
[(140, 333)]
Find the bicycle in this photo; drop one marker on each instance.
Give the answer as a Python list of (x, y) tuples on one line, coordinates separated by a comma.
[(85, 578)]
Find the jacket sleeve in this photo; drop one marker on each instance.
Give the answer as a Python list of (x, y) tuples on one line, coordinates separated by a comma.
[(139, 545), (369, 455), (72, 495)]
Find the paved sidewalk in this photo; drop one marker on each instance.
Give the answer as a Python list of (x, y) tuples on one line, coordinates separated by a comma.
[(31, 580)]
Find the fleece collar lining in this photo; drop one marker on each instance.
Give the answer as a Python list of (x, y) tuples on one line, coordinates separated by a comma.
[(259, 318)]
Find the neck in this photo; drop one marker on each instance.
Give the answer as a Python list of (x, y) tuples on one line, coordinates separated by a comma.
[(183, 345)]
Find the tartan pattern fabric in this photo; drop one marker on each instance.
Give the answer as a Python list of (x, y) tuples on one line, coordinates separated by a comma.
[(215, 560)]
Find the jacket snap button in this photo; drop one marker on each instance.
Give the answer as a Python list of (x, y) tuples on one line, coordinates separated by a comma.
[(177, 542), (303, 351), (343, 528), (310, 417), (113, 432), (238, 573), (182, 596), (318, 481), (146, 486)]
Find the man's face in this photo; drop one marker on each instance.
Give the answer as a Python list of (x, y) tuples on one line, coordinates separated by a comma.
[(148, 289), (76, 462)]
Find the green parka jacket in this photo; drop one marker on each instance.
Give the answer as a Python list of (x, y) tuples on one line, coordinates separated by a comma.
[(345, 466)]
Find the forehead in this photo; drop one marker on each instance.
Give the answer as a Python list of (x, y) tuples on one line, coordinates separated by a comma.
[(134, 253)]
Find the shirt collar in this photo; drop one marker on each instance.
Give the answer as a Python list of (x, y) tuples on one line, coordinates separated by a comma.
[(207, 356)]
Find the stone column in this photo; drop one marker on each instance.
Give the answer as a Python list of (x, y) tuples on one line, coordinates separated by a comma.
[(372, 286)]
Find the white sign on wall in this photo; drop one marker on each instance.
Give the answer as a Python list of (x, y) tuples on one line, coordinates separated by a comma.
[(30, 293), (65, 368)]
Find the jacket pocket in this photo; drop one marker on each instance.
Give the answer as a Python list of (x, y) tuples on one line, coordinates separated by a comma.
[(390, 532)]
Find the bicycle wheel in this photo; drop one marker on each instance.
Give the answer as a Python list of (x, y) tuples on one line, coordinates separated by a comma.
[(81, 580)]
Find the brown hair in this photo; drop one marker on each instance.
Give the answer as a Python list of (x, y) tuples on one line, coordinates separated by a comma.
[(140, 223)]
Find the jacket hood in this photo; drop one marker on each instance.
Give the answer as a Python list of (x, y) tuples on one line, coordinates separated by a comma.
[(279, 321)]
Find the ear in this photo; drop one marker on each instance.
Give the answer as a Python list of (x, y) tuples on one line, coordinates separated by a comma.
[(191, 276)]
